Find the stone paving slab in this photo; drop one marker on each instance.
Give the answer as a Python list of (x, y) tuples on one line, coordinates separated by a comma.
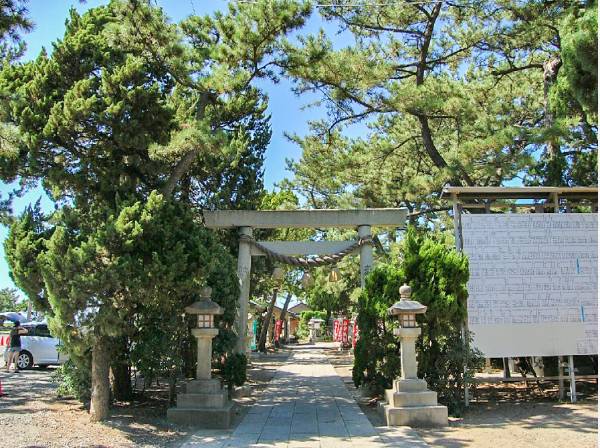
[(306, 406)]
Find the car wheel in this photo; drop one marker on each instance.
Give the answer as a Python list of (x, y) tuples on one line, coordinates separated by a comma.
[(25, 360)]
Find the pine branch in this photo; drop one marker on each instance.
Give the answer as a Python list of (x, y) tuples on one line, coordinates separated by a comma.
[(516, 69)]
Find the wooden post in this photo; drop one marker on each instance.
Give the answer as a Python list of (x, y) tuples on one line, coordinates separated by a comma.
[(488, 205), (488, 365), (561, 368), (561, 385), (572, 379), (537, 362), (488, 210), (556, 202), (456, 211), (458, 241), (506, 367)]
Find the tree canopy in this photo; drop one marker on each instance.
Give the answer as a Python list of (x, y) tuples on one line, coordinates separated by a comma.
[(10, 300), (131, 124), (440, 92)]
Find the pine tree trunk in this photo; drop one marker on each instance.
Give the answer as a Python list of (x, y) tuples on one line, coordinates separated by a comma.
[(100, 403), (266, 322), (285, 306), (172, 386), (121, 372), (554, 170), (284, 315)]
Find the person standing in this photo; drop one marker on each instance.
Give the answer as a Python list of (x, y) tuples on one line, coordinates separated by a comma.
[(15, 345)]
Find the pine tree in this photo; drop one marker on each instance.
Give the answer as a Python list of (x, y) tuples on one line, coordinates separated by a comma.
[(13, 21), (130, 123), (9, 300), (428, 94)]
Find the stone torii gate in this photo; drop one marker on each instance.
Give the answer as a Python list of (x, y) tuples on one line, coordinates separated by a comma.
[(331, 251)]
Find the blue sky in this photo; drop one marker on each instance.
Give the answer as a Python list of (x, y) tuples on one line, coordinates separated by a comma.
[(288, 113)]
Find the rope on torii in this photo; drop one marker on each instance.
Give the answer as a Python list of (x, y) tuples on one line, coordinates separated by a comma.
[(319, 260)]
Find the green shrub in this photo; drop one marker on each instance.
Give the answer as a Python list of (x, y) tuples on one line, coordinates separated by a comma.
[(376, 360), (438, 276), (74, 381), (234, 370)]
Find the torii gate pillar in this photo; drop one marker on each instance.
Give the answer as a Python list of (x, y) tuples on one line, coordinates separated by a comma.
[(243, 269), (366, 254), (246, 220)]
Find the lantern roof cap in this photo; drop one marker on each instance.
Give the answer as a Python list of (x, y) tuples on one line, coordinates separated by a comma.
[(405, 291), (204, 305), (405, 305)]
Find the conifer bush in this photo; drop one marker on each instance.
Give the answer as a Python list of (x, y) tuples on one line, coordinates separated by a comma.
[(438, 276)]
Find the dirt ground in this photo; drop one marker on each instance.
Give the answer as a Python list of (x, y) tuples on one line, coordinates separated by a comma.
[(503, 416), (32, 416)]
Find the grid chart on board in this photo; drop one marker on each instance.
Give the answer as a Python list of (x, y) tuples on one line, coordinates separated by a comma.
[(533, 270)]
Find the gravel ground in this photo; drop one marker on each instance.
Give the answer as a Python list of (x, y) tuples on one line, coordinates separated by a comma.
[(505, 425), (32, 416), (505, 416), (38, 419)]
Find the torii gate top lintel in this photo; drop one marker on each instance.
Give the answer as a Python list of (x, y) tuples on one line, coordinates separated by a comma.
[(247, 220), (311, 218)]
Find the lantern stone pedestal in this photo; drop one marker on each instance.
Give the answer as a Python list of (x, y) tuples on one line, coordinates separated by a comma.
[(409, 402), (205, 403)]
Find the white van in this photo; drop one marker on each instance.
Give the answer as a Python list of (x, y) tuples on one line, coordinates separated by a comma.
[(38, 347)]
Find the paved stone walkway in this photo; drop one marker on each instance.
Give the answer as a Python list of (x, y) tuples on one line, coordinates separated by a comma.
[(306, 405)]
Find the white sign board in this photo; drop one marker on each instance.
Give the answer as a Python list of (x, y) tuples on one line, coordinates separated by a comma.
[(533, 287)]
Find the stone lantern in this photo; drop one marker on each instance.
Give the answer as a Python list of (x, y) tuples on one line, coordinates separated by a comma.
[(314, 326), (406, 310), (409, 402), (205, 310), (205, 403)]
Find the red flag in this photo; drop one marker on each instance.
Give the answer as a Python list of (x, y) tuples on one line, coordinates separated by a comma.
[(278, 325), (345, 326), (354, 333)]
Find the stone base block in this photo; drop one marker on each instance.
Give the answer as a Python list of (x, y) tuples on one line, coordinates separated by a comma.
[(212, 386), (202, 401), (407, 399), (410, 385), (415, 416), (201, 418)]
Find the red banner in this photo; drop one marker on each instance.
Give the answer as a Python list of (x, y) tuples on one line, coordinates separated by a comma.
[(354, 333), (336, 330), (278, 325), (345, 326)]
